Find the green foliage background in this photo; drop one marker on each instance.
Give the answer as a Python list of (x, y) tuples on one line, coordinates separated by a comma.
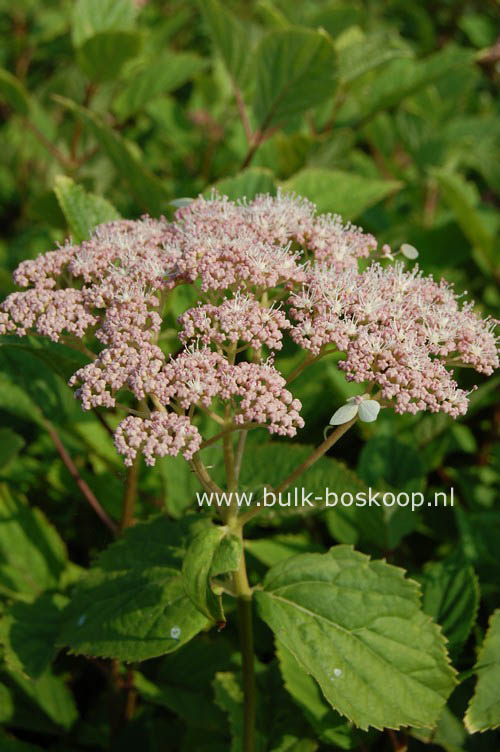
[(386, 112)]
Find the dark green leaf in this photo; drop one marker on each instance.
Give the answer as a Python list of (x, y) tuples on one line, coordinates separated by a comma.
[(355, 624), (296, 70), (484, 709)]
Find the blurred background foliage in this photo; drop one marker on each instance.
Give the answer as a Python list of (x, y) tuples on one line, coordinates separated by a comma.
[(383, 111)]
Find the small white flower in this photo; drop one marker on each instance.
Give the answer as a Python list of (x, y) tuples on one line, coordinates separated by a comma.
[(366, 409), (409, 251)]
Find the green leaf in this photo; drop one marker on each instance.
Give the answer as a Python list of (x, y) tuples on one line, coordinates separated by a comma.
[(213, 551), (397, 463), (49, 694), (368, 53), (183, 682), (230, 38), (462, 198), (247, 184), (157, 77), (13, 92), (450, 595), (229, 697), (327, 723), (296, 70), (270, 551), (29, 632), (401, 78), (32, 556), (61, 359), (132, 605), (145, 186), (103, 55), (9, 744), (483, 712), (92, 17), (343, 193), (355, 625), (83, 211), (10, 445)]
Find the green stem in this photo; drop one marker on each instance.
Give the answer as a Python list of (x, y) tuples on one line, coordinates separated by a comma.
[(244, 595), (130, 493)]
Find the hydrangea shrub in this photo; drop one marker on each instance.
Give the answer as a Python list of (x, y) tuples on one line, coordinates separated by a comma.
[(262, 274)]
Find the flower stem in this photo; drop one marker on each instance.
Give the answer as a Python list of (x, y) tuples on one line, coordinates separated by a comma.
[(130, 493), (244, 594)]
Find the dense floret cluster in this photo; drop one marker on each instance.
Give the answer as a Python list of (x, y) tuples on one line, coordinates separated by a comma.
[(262, 269)]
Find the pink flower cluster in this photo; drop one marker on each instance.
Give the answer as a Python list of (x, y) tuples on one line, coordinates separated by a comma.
[(398, 329), (158, 436), (262, 268), (238, 319)]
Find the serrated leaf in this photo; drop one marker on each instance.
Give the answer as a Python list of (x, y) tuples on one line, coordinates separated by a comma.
[(229, 36), (355, 625), (450, 594), (14, 93), (145, 186), (483, 712), (296, 70), (157, 77), (327, 723), (83, 211), (246, 184), (29, 632), (343, 193), (103, 55), (132, 605), (32, 556), (213, 551)]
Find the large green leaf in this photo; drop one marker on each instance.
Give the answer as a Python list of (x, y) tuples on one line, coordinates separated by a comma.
[(229, 36), (484, 709), (344, 193), (14, 93), (103, 55), (450, 594), (83, 211), (146, 187), (356, 626), (132, 605), (159, 76), (296, 70), (213, 551), (327, 723), (92, 17), (32, 556)]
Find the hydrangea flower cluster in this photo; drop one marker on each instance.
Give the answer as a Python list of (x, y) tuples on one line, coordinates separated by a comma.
[(263, 270)]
